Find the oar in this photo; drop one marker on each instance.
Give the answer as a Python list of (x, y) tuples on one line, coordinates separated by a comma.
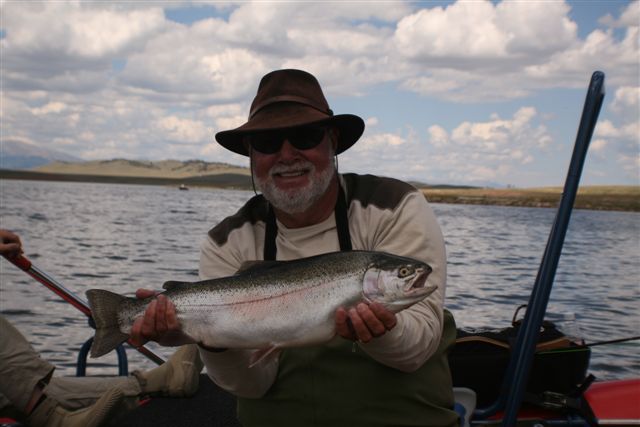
[(27, 266)]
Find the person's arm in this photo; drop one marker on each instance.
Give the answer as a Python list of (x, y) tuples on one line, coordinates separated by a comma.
[(230, 369), (410, 230)]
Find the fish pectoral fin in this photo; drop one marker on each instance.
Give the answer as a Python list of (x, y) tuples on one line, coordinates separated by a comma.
[(261, 354)]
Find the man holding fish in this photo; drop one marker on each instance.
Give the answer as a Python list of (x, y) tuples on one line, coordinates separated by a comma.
[(378, 365)]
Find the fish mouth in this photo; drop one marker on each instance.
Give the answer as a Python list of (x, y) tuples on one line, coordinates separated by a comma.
[(419, 283)]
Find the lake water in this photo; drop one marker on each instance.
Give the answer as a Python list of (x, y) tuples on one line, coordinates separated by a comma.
[(123, 237)]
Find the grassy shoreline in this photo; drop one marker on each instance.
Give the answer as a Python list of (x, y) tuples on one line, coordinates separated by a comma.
[(614, 198)]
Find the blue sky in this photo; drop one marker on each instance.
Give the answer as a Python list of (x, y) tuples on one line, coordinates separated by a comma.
[(467, 92)]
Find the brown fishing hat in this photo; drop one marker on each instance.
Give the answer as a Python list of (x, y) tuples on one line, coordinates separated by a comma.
[(288, 99)]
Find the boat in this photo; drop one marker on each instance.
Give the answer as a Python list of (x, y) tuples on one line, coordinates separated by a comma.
[(183, 187), (534, 374)]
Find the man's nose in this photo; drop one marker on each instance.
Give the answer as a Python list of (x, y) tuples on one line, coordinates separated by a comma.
[(287, 150)]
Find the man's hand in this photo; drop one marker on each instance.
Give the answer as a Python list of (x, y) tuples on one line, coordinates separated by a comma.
[(159, 323), (364, 322), (10, 244)]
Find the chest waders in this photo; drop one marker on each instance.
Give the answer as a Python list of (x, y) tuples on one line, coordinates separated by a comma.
[(338, 384)]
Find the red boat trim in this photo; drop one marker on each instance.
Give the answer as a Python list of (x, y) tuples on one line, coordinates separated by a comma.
[(615, 402)]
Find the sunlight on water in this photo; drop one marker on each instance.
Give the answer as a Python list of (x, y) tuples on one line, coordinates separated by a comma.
[(122, 237)]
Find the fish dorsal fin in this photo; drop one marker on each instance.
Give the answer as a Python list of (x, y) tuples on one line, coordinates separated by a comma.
[(174, 284), (252, 266)]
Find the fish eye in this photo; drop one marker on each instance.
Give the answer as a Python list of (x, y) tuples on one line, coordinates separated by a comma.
[(404, 271)]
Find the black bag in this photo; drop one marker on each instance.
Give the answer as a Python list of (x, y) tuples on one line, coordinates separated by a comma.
[(480, 358)]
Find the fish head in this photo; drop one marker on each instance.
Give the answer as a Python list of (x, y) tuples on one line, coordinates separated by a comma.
[(397, 282)]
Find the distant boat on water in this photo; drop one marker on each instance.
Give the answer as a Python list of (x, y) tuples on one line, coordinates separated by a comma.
[(183, 187)]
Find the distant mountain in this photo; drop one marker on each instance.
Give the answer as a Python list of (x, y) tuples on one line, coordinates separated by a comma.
[(169, 169), (15, 154)]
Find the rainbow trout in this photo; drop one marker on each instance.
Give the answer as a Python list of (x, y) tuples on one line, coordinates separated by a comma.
[(272, 304)]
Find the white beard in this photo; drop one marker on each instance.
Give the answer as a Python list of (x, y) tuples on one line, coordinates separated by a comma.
[(300, 199)]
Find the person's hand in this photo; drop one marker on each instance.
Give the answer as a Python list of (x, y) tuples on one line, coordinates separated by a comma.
[(159, 323), (364, 322), (10, 244)]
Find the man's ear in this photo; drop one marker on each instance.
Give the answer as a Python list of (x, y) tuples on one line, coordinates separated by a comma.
[(334, 134)]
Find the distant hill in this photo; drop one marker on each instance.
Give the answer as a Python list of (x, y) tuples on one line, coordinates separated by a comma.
[(195, 173), (168, 169), (16, 154), (219, 180)]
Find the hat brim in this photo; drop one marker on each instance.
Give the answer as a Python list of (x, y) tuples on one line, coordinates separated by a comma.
[(350, 126)]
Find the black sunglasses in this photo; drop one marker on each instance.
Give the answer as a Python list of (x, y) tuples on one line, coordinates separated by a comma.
[(302, 138)]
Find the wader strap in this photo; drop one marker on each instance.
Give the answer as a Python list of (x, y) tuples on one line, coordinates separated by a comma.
[(342, 224), (270, 234)]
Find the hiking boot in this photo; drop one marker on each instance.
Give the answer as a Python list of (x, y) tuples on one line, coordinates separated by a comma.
[(49, 413), (177, 377)]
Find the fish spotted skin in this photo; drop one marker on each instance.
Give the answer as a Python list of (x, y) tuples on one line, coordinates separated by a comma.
[(271, 304)]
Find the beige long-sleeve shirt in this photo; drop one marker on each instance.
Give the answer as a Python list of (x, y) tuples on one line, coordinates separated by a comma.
[(384, 215)]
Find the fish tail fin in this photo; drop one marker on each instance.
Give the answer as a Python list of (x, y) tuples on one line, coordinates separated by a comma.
[(104, 309)]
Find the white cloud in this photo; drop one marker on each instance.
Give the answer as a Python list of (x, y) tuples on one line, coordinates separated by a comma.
[(535, 28), (622, 131), (631, 164), (472, 152), (496, 135), (463, 29), (482, 30), (628, 131), (226, 116), (438, 136), (49, 108), (87, 136), (606, 128), (382, 141), (106, 150), (183, 130), (626, 98), (72, 33), (189, 69), (598, 145), (629, 17)]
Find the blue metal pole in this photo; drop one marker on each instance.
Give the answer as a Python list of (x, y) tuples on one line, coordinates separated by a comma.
[(520, 363)]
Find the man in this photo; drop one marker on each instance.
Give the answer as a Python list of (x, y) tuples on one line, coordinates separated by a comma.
[(29, 391), (382, 368)]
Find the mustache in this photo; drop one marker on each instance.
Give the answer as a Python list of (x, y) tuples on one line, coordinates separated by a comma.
[(294, 167)]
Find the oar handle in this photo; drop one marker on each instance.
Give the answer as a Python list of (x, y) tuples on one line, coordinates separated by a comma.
[(20, 261), (24, 264)]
